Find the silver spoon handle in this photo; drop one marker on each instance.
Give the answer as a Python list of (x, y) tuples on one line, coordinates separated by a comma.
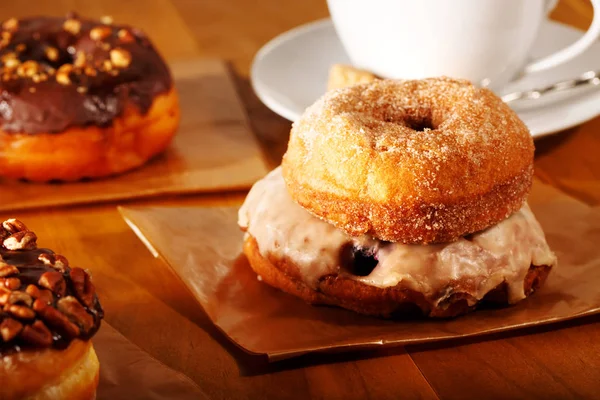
[(587, 78)]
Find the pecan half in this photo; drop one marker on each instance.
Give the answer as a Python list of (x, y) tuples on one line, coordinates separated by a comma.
[(18, 297), (42, 294), (13, 225), (53, 281), (4, 295), (20, 312), (12, 283), (56, 319), (36, 334), (83, 286), (20, 241), (71, 307), (7, 270), (10, 328), (56, 261)]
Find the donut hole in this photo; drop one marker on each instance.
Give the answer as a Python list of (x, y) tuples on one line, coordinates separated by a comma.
[(357, 260), (420, 124), (417, 119)]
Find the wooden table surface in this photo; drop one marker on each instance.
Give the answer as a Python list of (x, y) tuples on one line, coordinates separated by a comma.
[(149, 305)]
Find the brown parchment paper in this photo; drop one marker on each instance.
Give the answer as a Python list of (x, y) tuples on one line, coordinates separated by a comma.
[(203, 248), (214, 150), (127, 372)]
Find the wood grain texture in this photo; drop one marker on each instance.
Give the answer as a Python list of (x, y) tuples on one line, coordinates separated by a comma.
[(153, 309)]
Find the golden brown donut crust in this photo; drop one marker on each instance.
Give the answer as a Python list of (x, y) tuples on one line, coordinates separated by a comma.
[(92, 151), (391, 302), (37, 374), (410, 161)]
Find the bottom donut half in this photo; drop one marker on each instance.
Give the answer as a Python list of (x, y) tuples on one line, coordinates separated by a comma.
[(91, 151), (49, 374), (389, 302)]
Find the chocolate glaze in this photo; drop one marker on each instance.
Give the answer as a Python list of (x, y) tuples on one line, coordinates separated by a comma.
[(30, 271), (49, 106)]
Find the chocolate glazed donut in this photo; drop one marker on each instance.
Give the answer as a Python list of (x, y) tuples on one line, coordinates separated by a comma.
[(80, 98), (49, 312)]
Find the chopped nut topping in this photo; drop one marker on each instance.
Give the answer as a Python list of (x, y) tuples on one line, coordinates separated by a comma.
[(100, 32), (56, 306), (72, 26), (125, 36), (11, 63), (82, 89), (20, 47), (11, 24), (121, 58), (62, 75), (39, 78), (79, 59), (28, 69), (9, 329), (51, 53), (106, 20), (106, 65), (53, 281), (89, 71)]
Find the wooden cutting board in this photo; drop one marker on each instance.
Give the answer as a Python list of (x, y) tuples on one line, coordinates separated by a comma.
[(214, 150)]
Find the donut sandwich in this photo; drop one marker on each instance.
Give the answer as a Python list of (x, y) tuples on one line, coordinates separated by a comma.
[(400, 198), (49, 313)]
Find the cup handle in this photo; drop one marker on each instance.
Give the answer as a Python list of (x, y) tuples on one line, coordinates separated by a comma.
[(571, 51)]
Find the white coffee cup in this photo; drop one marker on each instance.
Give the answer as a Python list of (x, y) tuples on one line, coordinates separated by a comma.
[(485, 41)]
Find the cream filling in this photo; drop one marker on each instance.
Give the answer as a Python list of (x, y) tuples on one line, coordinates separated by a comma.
[(502, 253)]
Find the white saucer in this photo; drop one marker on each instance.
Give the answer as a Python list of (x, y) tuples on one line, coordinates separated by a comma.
[(290, 72)]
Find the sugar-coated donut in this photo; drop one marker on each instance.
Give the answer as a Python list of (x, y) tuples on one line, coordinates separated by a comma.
[(423, 161), (81, 99)]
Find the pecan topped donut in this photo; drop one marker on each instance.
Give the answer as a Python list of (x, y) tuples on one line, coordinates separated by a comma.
[(44, 301), (48, 313), (96, 96)]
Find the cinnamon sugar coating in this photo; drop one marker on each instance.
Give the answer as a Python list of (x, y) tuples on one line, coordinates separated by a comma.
[(422, 161)]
